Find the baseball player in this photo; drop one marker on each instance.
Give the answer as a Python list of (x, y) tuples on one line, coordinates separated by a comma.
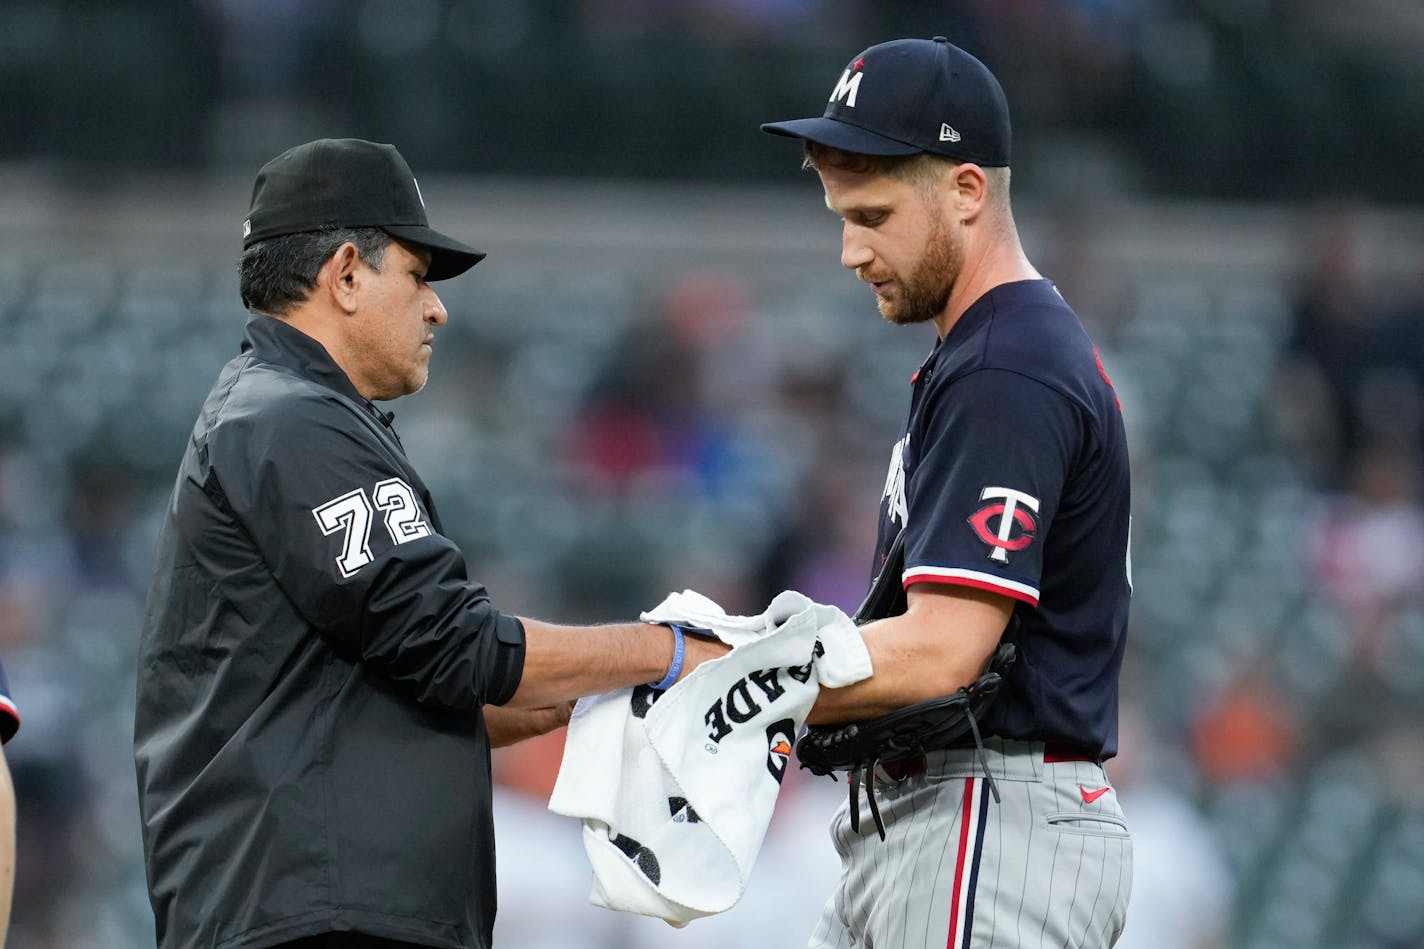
[(319, 682), (1004, 519), (9, 724), (9, 711)]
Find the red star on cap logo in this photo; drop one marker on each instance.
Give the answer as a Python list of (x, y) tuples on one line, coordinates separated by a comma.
[(858, 64)]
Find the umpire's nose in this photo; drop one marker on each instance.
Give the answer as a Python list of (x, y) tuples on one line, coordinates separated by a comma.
[(435, 313)]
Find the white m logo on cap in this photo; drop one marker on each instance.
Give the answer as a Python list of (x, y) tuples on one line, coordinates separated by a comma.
[(847, 88)]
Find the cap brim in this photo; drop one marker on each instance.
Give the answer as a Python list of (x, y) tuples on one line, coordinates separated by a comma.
[(448, 257), (841, 135)]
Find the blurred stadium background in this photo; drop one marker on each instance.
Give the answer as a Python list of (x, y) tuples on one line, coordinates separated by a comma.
[(661, 379)]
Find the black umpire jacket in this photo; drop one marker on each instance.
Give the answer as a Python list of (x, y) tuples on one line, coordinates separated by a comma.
[(309, 742)]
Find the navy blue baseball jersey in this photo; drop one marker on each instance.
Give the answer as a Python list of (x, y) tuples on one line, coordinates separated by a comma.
[(9, 713), (1011, 475)]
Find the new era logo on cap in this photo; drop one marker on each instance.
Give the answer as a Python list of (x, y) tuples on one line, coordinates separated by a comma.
[(947, 134)]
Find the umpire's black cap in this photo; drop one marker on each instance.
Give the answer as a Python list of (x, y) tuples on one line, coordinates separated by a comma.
[(349, 182), (909, 96)]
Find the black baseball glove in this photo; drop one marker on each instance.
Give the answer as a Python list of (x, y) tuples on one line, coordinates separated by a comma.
[(913, 730), (857, 747)]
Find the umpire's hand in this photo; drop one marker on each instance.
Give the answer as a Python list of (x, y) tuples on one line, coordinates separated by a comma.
[(509, 725)]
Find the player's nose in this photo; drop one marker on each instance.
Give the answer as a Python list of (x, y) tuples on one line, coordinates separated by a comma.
[(855, 251)]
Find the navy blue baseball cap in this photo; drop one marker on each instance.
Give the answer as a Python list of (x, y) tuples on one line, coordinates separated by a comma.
[(910, 96), (349, 182)]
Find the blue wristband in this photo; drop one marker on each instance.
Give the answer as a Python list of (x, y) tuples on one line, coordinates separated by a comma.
[(679, 648)]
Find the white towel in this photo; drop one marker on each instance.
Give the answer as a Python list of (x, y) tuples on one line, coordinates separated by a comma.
[(676, 796)]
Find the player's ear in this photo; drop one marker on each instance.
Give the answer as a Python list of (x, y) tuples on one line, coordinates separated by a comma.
[(968, 189), (340, 277)]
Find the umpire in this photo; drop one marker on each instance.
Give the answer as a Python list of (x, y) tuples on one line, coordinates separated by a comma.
[(319, 681)]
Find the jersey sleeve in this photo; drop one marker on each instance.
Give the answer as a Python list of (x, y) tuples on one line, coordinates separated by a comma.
[(9, 712), (351, 541), (991, 456)]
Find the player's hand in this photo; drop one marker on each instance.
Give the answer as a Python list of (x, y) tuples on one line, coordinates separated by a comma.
[(507, 726)]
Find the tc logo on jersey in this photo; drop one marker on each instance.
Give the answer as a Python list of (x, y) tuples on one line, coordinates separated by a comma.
[(1007, 523)]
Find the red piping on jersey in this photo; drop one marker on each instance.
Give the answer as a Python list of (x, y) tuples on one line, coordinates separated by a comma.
[(10, 711), (1097, 356), (968, 582)]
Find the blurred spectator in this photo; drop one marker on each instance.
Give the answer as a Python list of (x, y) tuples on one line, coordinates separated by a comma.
[(98, 520), (1396, 396), (1366, 556), (826, 549), (642, 419), (1246, 731), (1336, 338), (1367, 549)]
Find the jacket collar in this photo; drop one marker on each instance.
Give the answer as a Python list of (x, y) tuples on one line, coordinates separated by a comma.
[(274, 341)]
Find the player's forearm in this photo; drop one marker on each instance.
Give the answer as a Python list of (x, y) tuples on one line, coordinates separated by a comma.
[(882, 693), (941, 643), (565, 662), (906, 671)]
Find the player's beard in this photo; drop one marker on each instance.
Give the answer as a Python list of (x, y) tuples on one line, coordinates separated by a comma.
[(923, 295)]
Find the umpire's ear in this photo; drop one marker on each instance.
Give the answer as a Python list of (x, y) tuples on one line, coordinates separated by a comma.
[(341, 276)]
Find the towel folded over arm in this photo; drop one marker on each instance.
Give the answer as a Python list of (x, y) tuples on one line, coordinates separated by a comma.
[(676, 789)]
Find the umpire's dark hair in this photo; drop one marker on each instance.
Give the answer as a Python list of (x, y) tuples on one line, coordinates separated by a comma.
[(276, 274)]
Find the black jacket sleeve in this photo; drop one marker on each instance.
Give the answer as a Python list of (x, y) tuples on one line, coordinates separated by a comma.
[(347, 529)]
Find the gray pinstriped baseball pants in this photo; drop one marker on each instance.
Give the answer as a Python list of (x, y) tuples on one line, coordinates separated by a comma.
[(1048, 866)]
